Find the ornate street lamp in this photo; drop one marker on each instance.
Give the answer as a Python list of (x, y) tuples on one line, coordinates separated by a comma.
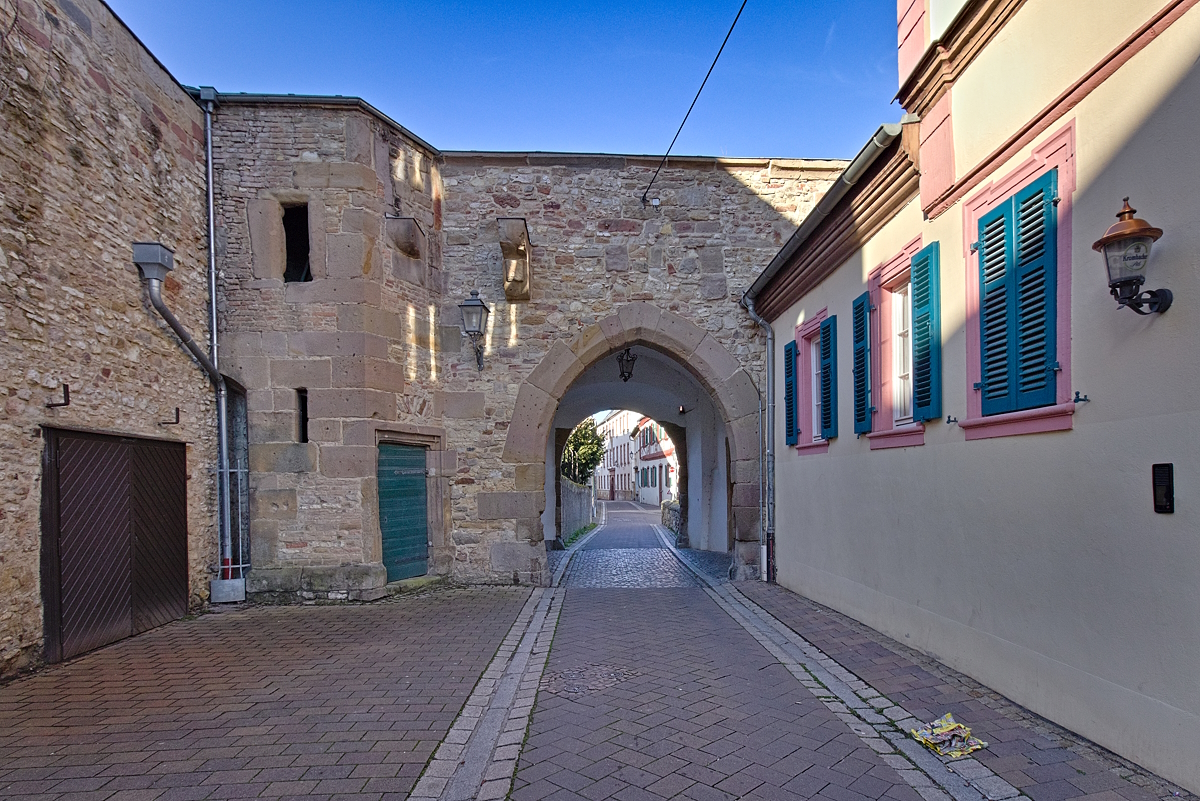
[(1126, 249), (475, 314), (625, 360)]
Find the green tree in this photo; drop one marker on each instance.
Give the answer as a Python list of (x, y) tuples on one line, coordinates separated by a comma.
[(583, 452)]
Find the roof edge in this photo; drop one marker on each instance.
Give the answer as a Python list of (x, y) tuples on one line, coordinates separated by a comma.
[(883, 137)]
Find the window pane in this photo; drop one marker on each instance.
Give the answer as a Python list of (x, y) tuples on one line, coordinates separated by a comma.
[(902, 354), (815, 356)]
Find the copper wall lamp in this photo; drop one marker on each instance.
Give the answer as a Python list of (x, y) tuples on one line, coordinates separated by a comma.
[(1126, 250)]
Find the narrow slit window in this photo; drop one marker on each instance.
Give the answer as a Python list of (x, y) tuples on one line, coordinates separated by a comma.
[(302, 415), (295, 243)]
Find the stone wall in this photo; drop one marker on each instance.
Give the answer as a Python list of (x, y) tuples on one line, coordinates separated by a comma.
[(99, 147), (578, 507), (595, 249), (361, 337)]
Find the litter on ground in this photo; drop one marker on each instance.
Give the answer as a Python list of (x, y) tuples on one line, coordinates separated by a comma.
[(948, 738)]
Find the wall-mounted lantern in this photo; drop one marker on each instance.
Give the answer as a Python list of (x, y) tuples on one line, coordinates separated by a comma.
[(625, 360), (1126, 250), (475, 314)]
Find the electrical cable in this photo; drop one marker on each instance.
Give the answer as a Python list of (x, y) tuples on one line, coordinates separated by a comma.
[(697, 97)]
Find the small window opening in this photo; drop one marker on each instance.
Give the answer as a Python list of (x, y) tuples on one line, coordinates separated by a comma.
[(302, 415), (295, 242)]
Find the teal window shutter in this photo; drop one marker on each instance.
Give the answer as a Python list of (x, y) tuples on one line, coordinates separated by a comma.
[(1035, 279), (1017, 300), (790, 428), (862, 363), (828, 352), (925, 289)]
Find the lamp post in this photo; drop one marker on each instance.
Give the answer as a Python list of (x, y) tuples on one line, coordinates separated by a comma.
[(1126, 250), (475, 314), (625, 360)]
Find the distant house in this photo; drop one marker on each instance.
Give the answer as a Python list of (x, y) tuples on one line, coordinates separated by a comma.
[(979, 450), (614, 478), (656, 467)]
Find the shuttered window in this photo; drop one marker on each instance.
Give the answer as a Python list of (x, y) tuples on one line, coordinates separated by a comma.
[(925, 289), (790, 427), (828, 378), (862, 363), (1017, 315)]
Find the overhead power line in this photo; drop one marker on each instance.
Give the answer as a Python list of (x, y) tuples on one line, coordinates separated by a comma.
[(645, 200)]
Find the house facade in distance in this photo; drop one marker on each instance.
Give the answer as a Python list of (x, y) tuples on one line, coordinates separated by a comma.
[(981, 451)]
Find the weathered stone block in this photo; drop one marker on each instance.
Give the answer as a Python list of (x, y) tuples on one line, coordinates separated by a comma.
[(346, 175), (532, 416), (712, 260), (354, 371), (249, 371), (556, 371), (264, 542), (639, 321), (271, 426), (745, 523), (325, 290), (264, 219), (359, 582), (739, 395), (616, 258), (272, 580), (314, 175), (406, 268), (345, 343), (283, 458), (348, 462), (678, 333), (241, 344), (743, 437), (747, 494), (359, 140), (362, 403), (531, 477), (590, 345), (449, 339), (713, 287), (347, 256), (277, 504), (508, 557), (370, 320), (301, 373), (530, 530), (459, 405), (509, 505), (713, 362)]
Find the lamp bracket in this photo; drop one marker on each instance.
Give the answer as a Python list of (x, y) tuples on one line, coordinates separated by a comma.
[(66, 401), (1152, 301), (1081, 398)]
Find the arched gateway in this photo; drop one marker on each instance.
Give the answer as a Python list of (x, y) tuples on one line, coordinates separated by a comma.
[(731, 389)]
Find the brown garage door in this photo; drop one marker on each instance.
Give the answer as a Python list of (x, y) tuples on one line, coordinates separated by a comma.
[(114, 538)]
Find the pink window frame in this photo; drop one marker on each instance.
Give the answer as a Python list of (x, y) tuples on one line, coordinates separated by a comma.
[(1057, 152), (880, 282), (805, 334)]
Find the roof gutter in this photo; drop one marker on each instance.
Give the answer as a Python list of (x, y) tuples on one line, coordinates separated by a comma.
[(880, 141)]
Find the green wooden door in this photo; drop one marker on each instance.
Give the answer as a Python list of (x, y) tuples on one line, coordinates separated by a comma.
[(402, 510)]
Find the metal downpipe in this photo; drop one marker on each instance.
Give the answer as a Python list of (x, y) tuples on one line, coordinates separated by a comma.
[(225, 528), (769, 526)]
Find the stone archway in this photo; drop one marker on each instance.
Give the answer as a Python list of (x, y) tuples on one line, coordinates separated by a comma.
[(731, 387)]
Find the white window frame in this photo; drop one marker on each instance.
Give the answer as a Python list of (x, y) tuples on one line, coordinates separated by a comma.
[(814, 354), (902, 388)]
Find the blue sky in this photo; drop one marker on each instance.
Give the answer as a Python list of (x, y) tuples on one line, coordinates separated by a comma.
[(807, 78)]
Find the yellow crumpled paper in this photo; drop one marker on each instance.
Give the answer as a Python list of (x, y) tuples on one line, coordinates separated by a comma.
[(948, 738)]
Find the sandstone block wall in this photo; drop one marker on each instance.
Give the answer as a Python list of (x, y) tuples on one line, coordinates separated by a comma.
[(99, 147), (597, 250), (361, 337)]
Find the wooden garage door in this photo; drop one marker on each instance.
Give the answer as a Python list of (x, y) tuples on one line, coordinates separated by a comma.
[(114, 538), (402, 511)]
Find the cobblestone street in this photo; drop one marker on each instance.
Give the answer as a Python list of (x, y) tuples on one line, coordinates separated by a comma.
[(664, 680)]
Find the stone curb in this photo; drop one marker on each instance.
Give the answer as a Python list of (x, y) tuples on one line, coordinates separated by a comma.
[(881, 724)]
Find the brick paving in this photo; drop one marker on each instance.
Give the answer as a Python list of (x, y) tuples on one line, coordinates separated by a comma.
[(1042, 760), (316, 702), (652, 691)]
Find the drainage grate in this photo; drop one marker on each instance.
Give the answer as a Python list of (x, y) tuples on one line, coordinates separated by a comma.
[(584, 679)]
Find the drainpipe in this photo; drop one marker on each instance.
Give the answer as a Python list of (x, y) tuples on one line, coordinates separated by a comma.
[(766, 531), (208, 96)]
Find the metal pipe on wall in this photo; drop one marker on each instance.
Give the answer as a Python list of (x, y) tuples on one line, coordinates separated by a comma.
[(767, 540), (208, 95)]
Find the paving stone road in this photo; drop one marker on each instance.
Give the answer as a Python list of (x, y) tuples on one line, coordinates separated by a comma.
[(309, 702), (645, 674)]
